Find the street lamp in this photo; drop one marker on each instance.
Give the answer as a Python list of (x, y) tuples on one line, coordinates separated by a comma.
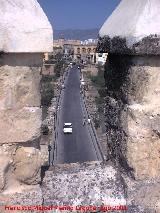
[(49, 150)]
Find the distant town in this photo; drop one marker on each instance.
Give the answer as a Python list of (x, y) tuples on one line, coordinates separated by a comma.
[(83, 52)]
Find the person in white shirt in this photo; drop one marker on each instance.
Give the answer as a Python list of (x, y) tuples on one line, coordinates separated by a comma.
[(89, 120)]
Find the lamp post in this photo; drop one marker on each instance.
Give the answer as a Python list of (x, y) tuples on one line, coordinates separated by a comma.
[(49, 150)]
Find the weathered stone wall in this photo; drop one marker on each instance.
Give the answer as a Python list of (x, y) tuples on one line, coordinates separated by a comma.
[(25, 34), (24, 27), (86, 184), (132, 75), (132, 113), (133, 27), (20, 119)]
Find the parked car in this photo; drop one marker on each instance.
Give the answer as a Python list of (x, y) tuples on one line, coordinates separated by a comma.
[(67, 128)]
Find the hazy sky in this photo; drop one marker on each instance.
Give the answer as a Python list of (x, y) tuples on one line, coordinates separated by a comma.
[(78, 14)]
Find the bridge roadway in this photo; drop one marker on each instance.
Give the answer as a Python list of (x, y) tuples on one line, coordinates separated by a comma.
[(78, 146)]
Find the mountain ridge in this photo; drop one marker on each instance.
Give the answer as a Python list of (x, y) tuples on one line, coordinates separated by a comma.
[(76, 34)]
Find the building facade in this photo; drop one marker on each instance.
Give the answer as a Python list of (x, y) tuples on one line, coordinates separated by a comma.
[(85, 53), (77, 50), (62, 42)]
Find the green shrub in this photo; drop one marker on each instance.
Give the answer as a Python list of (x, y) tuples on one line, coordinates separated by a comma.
[(47, 89), (58, 69), (48, 78), (98, 80)]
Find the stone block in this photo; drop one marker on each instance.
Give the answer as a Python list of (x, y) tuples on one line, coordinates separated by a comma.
[(22, 125), (133, 113), (24, 27), (19, 87), (5, 162), (139, 35), (27, 165), (86, 184)]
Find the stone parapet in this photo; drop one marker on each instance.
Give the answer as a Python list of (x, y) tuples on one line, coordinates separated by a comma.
[(86, 184), (132, 113), (133, 28), (131, 36), (20, 112), (25, 34), (24, 27), (20, 121)]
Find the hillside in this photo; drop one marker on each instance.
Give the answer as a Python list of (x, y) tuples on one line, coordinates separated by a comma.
[(76, 34)]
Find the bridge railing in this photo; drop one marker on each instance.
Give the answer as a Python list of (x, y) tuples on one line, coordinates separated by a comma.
[(57, 115), (92, 126)]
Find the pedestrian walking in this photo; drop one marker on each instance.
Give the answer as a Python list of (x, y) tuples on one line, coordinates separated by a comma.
[(89, 120), (49, 150), (84, 121)]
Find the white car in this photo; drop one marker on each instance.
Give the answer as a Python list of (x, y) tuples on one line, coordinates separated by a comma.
[(67, 128)]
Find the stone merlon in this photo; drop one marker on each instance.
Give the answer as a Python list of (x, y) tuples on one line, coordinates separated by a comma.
[(25, 34), (24, 27), (133, 28)]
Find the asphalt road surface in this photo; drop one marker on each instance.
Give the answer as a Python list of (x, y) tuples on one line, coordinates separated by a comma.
[(78, 146)]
